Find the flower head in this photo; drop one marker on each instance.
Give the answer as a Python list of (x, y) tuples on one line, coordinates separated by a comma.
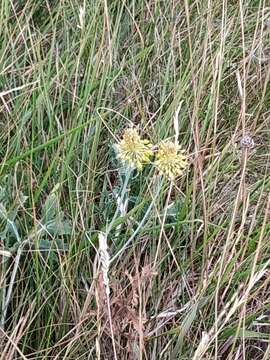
[(247, 142), (170, 159), (133, 150)]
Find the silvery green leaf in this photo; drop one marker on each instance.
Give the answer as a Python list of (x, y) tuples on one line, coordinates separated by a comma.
[(51, 206), (59, 227), (57, 244)]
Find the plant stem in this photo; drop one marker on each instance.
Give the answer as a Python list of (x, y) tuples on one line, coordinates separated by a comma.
[(139, 226)]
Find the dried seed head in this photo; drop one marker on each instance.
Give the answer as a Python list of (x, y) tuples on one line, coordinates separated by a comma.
[(267, 23), (247, 142)]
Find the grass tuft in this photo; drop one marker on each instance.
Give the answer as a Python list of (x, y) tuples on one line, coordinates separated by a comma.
[(100, 263)]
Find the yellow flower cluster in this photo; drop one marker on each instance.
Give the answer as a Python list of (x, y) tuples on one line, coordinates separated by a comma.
[(170, 159), (133, 150)]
